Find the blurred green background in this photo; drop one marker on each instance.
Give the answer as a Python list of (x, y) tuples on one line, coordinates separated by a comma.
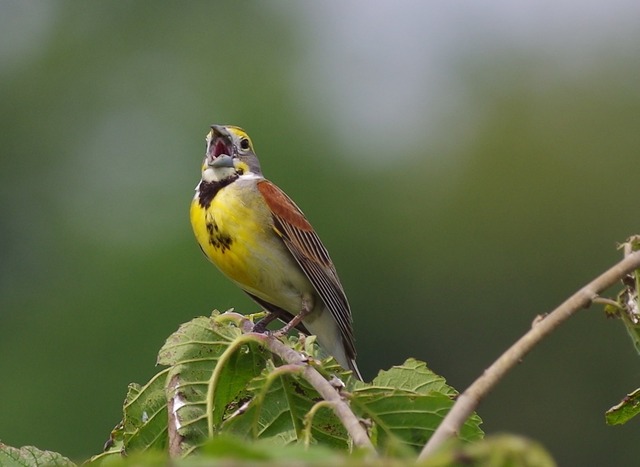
[(467, 166)]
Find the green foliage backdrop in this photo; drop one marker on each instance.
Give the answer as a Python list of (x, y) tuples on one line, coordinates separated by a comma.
[(448, 242)]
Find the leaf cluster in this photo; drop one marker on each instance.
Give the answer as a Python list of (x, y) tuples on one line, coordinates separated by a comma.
[(219, 380)]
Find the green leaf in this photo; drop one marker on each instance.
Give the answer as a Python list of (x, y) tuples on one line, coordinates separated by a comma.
[(413, 375), (628, 408), (226, 382), (212, 363), (283, 404), (29, 456), (405, 405), (231, 447), (497, 450), (144, 423), (145, 415), (221, 381)]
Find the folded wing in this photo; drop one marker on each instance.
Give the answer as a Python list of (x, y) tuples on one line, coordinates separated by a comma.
[(309, 252)]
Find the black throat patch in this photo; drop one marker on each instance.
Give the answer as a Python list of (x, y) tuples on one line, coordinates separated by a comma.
[(209, 190)]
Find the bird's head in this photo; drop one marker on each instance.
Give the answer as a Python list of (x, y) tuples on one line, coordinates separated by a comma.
[(229, 153)]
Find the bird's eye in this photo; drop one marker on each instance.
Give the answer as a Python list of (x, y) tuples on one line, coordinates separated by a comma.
[(244, 144)]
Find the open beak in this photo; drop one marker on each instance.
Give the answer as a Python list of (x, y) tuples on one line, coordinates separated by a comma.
[(220, 148), (223, 160)]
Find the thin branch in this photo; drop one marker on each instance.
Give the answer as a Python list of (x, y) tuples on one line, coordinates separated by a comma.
[(325, 389), (173, 423), (469, 400), (605, 301)]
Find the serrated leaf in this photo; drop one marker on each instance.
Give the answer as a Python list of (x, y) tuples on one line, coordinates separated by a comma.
[(628, 408), (407, 417), (212, 362), (202, 338), (145, 415), (144, 423), (279, 410), (29, 456), (222, 381), (413, 375), (215, 376), (406, 404)]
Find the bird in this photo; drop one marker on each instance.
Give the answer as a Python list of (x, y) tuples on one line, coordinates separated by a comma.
[(261, 240)]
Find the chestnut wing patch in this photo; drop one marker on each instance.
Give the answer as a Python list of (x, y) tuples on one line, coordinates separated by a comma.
[(309, 252), (282, 206)]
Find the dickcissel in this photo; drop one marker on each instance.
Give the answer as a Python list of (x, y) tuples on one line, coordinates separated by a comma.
[(257, 236)]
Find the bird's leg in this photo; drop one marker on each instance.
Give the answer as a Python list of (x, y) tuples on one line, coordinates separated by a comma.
[(307, 306), (261, 326)]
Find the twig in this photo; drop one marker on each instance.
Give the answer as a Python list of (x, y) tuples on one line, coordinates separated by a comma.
[(319, 383), (605, 301), (469, 399), (173, 424), (326, 390)]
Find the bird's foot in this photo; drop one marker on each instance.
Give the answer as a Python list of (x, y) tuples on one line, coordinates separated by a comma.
[(297, 319)]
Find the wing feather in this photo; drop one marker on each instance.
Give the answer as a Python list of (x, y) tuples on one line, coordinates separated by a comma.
[(309, 252)]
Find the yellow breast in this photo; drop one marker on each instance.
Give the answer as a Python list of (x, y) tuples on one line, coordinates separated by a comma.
[(236, 233)]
